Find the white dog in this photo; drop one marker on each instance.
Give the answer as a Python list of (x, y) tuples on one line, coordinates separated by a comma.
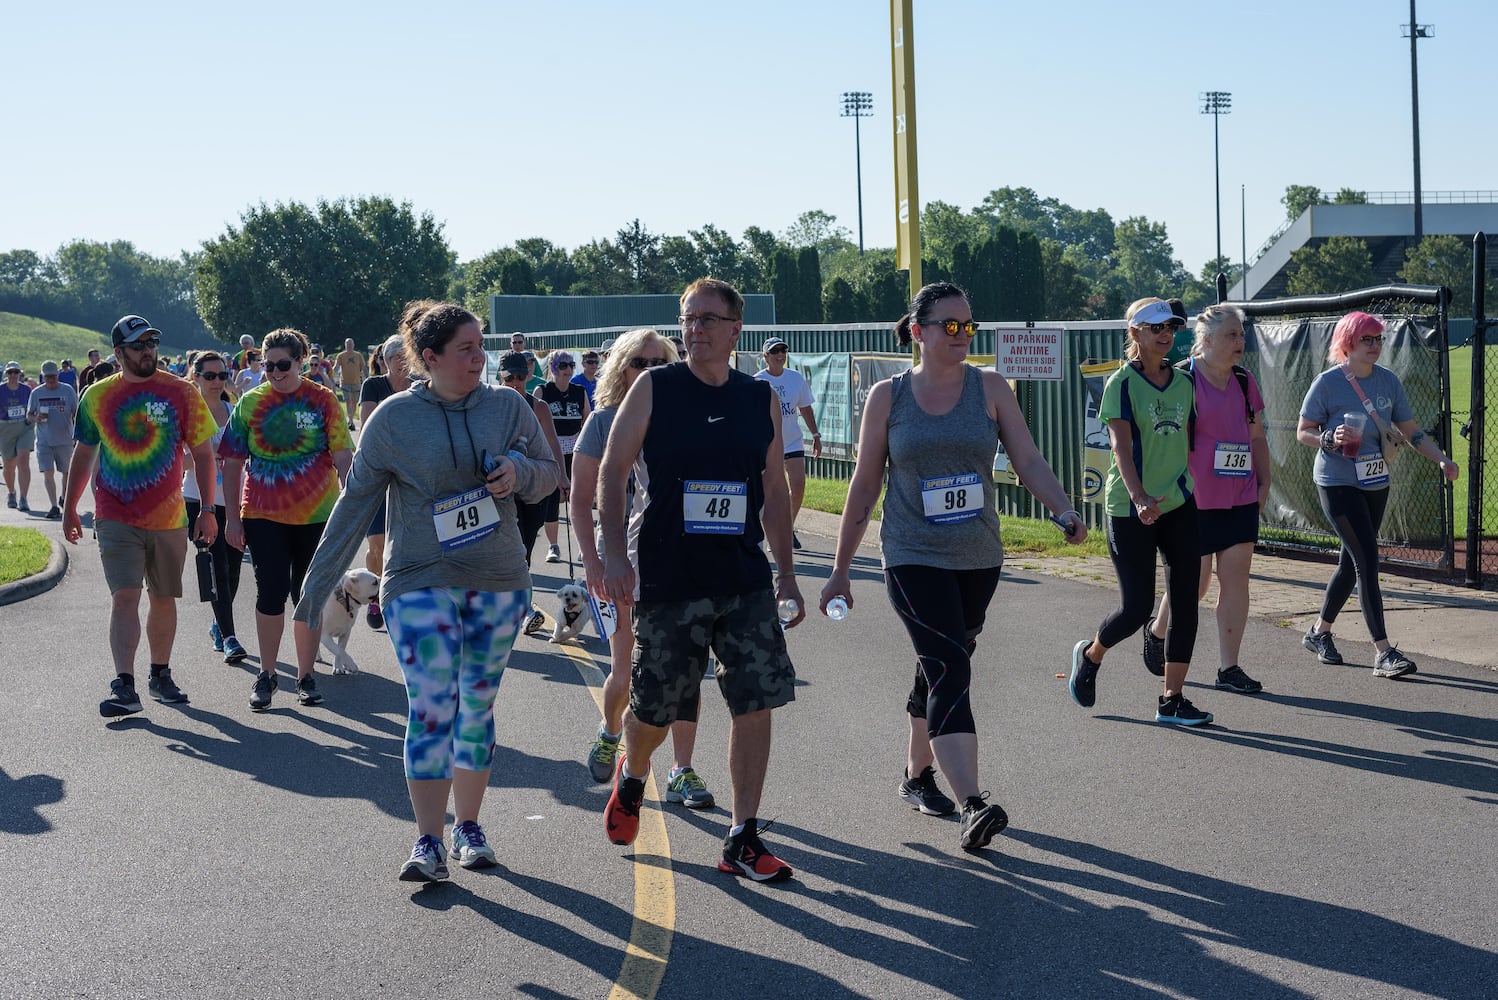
[(573, 615), (356, 588)]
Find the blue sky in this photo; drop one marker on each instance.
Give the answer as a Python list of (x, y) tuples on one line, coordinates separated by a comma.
[(161, 122)]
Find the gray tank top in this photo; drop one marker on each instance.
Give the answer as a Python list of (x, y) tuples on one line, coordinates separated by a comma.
[(939, 505)]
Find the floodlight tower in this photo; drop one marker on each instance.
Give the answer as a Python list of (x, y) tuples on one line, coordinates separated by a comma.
[(1217, 103), (1415, 31), (858, 104)]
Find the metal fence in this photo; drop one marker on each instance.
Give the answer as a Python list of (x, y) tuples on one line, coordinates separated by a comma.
[(1477, 554)]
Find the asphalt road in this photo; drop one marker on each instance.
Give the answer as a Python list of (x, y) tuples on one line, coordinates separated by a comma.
[(1332, 837)]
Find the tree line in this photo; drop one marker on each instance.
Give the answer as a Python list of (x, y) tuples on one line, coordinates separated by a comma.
[(344, 268)]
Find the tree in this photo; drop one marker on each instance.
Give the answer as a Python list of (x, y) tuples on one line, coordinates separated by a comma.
[(517, 277), (809, 280), (816, 229), (1349, 196), (841, 302), (601, 268), (1447, 260), (1340, 264), (1144, 264), (1066, 290), (642, 255), (759, 252), (475, 280), (550, 263), (342, 269), (1299, 197), (785, 285), (681, 263), (720, 256), (943, 227)]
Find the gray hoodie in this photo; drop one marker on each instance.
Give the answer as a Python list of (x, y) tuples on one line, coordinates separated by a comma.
[(424, 449)]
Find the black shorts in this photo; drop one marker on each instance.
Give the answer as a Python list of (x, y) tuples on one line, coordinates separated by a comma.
[(795, 454), (377, 526), (1221, 528)]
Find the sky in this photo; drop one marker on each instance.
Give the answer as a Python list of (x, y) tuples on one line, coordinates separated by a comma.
[(162, 122)]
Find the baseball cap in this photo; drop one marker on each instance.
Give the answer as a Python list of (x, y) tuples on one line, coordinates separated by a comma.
[(515, 363), (130, 329), (773, 343), (13, 366), (49, 367), (1155, 312), (608, 345)]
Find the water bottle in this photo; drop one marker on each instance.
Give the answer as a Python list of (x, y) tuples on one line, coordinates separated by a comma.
[(837, 608), (787, 610)]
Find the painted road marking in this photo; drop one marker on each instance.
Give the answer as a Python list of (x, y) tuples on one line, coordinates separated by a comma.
[(649, 945)]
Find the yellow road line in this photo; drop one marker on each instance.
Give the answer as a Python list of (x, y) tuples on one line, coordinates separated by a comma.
[(649, 945)]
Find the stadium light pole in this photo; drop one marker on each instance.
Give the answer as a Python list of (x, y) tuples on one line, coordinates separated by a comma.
[(1217, 103), (1415, 31), (858, 104)]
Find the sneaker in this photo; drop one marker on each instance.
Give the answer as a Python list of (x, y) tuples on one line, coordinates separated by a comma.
[(122, 698), (53, 513), (1177, 710), (233, 651), (1321, 644), (471, 848), (1083, 683), (981, 822), (164, 689), (921, 792), (260, 695), (746, 855), (428, 861), (374, 616), (621, 818), (601, 757), (554, 553), (217, 637), (1234, 679), (1392, 663), (795, 542), (306, 690), (24, 506), (535, 622), (1154, 651), (687, 789), (10, 500)]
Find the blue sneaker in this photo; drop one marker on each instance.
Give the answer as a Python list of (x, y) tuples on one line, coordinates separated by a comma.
[(471, 848), (1083, 683), (234, 651), (217, 637), (428, 861), (687, 789)]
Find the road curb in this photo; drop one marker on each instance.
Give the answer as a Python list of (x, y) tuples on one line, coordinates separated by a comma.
[(40, 583)]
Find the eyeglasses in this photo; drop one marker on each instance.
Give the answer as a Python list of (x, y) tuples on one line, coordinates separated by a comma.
[(776, 350), (1155, 327), (214, 376), (954, 327), (143, 345), (1371, 341), (284, 365), (565, 364), (708, 321), (590, 361), (640, 364)]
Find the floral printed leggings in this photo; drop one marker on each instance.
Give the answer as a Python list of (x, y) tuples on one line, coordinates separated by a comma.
[(453, 645)]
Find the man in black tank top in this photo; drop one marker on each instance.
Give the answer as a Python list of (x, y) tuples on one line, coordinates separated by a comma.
[(710, 439)]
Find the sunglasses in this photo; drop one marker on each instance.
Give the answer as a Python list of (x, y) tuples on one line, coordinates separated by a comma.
[(214, 376), (954, 327), (776, 350), (640, 364), (590, 361), (565, 364), (143, 345), (1371, 341), (284, 365), (1155, 327)]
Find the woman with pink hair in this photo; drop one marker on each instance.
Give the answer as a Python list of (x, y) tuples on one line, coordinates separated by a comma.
[(1352, 475)]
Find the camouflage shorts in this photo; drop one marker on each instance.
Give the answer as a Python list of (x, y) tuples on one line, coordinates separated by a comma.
[(672, 639)]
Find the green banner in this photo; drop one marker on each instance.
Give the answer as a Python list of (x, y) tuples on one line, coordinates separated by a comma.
[(828, 377)]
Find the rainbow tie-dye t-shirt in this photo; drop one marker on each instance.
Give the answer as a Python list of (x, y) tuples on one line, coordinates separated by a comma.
[(287, 440), (140, 429)]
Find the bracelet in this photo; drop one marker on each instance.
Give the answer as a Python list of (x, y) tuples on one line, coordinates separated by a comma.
[(1063, 514), (816, 434), (1327, 441)]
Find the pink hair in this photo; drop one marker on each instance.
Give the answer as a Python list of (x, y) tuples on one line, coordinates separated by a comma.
[(1348, 329)]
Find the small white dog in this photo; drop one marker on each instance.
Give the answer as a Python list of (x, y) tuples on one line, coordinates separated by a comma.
[(573, 615), (357, 588)]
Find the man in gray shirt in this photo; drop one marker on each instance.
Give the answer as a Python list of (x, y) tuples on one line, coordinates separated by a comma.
[(53, 408)]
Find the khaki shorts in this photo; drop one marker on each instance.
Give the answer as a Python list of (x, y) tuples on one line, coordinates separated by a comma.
[(15, 437), (131, 554), (672, 639), (53, 456)]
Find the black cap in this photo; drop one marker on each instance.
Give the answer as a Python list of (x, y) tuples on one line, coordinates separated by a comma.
[(515, 363), (130, 329)]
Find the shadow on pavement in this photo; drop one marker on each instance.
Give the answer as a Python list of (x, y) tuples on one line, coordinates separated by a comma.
[(21, 799)]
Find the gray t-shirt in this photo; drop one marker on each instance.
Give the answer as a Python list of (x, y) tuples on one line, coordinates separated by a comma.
[(591, 442), (424, 450), (939, 504), (61, 405), (1330, 396)]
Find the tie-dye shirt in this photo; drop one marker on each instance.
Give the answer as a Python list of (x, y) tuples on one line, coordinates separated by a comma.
[(288, 440), (140, 429)]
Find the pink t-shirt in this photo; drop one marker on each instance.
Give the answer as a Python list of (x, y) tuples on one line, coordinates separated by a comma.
[(1221, 464)]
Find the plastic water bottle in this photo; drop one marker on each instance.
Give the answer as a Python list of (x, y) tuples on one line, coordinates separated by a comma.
[(787, 610), (837, 608)]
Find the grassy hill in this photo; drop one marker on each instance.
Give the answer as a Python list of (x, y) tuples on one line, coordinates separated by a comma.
[(31, 341)]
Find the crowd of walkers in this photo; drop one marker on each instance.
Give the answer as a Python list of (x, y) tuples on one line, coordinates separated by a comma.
[(680, 471)]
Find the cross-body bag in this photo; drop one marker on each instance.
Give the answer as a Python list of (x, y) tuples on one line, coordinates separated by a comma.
[(1393, 438)]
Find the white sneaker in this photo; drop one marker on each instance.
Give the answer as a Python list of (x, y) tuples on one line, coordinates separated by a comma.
[(554, 553), (428, 862), (471, 848)]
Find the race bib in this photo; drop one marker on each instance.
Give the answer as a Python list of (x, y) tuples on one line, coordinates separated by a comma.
[(951, 499), (1373, 470), (714, 508), (465, 518), (1232, 460), (16, 412), (605, 617)]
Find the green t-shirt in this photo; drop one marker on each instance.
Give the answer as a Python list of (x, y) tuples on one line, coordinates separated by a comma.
[(1159, 420)]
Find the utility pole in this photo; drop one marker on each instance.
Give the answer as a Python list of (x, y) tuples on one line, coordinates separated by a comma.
[(1218, 103), (1415, 31), (858, 104)]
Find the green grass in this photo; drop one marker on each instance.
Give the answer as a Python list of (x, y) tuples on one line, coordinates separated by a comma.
[(1461, 406), (23, 552), (1021, 534), (31, 341)]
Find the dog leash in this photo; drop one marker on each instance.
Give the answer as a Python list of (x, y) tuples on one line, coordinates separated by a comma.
[(571, 571)]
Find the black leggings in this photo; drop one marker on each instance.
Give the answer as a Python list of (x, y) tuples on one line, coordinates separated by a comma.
[(529, 517), (1132, 545), (1355, 515), (227, 562), (943, 610), (280, 554)]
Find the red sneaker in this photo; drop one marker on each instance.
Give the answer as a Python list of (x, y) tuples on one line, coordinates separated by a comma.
[(621, 819), (746, 855)]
